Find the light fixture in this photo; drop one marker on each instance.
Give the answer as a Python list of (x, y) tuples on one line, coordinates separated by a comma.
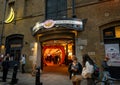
[(2, 46)]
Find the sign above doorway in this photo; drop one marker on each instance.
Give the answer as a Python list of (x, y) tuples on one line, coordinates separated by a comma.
[(76, 24)]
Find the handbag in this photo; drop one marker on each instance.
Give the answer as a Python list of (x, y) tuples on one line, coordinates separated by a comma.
[(76, 78), (85, 74)]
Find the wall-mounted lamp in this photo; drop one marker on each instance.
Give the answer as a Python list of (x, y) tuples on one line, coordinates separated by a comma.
[(2, 46)]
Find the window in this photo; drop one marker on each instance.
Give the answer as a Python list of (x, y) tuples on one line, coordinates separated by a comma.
[(56, 9), (117, 31), (109, 33), (11, 3)]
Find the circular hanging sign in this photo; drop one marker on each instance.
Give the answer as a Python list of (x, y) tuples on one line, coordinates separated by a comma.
[(48, 24)]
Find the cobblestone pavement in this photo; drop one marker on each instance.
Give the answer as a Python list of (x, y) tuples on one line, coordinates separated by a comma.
[(23, 79), (48, 77)]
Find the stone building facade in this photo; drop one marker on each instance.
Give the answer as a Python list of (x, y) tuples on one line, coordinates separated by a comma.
[(18, 38)]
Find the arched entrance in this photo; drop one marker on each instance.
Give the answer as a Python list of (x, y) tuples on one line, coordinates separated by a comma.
[(57, 54), (14, 44), (57, 48), (112, 44), (112, 49)]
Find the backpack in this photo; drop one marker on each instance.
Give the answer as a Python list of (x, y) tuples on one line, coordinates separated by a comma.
[(96, 72)]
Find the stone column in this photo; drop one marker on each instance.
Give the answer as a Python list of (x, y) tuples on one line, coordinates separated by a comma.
[(39, 54), (78, 52)]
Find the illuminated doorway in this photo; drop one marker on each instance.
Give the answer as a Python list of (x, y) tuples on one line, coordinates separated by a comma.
[(56, 55), (53, 55), (57, 52)]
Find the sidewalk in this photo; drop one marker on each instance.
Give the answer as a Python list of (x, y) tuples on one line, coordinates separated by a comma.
[(55, 79), (23, 79), (46, 79)]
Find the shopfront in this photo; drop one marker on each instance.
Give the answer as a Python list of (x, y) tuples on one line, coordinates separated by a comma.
[(112, 45), (111, 38), (56, 41)]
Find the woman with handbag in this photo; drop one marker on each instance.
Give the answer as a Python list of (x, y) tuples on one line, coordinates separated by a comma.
[(75, 70), (88, 69)]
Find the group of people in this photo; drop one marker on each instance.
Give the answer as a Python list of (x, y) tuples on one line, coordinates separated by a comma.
[(85, 70), (77, 70), (6, 64), (52, 59)]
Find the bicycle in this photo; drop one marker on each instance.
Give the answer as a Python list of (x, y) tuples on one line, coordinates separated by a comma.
[(109, 81)]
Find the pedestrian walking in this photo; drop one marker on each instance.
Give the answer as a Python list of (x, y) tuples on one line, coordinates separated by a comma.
[(5, 65), (23, 62), (106, 70), (75, 70), (88, 69)]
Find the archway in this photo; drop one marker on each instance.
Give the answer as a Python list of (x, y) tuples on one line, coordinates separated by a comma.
[(14, 44)]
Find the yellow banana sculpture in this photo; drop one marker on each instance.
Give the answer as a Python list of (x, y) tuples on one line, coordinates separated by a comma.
[(11, 16)]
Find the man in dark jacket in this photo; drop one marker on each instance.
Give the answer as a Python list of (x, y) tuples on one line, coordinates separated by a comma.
[(5, 65)]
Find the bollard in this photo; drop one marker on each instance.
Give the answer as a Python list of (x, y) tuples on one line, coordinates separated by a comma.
[(14, 79), (37, 82)]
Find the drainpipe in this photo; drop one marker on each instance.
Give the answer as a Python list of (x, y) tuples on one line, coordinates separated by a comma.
[(3, 19), (73, 9), (4, 12)]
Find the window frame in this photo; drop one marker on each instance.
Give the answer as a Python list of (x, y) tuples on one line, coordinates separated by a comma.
[(62, 15)]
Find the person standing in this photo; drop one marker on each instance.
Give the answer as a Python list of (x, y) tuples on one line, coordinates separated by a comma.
[(7, 56), (75, 69), (105, 69), (5, 65), (88, 69), (23, 62)]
